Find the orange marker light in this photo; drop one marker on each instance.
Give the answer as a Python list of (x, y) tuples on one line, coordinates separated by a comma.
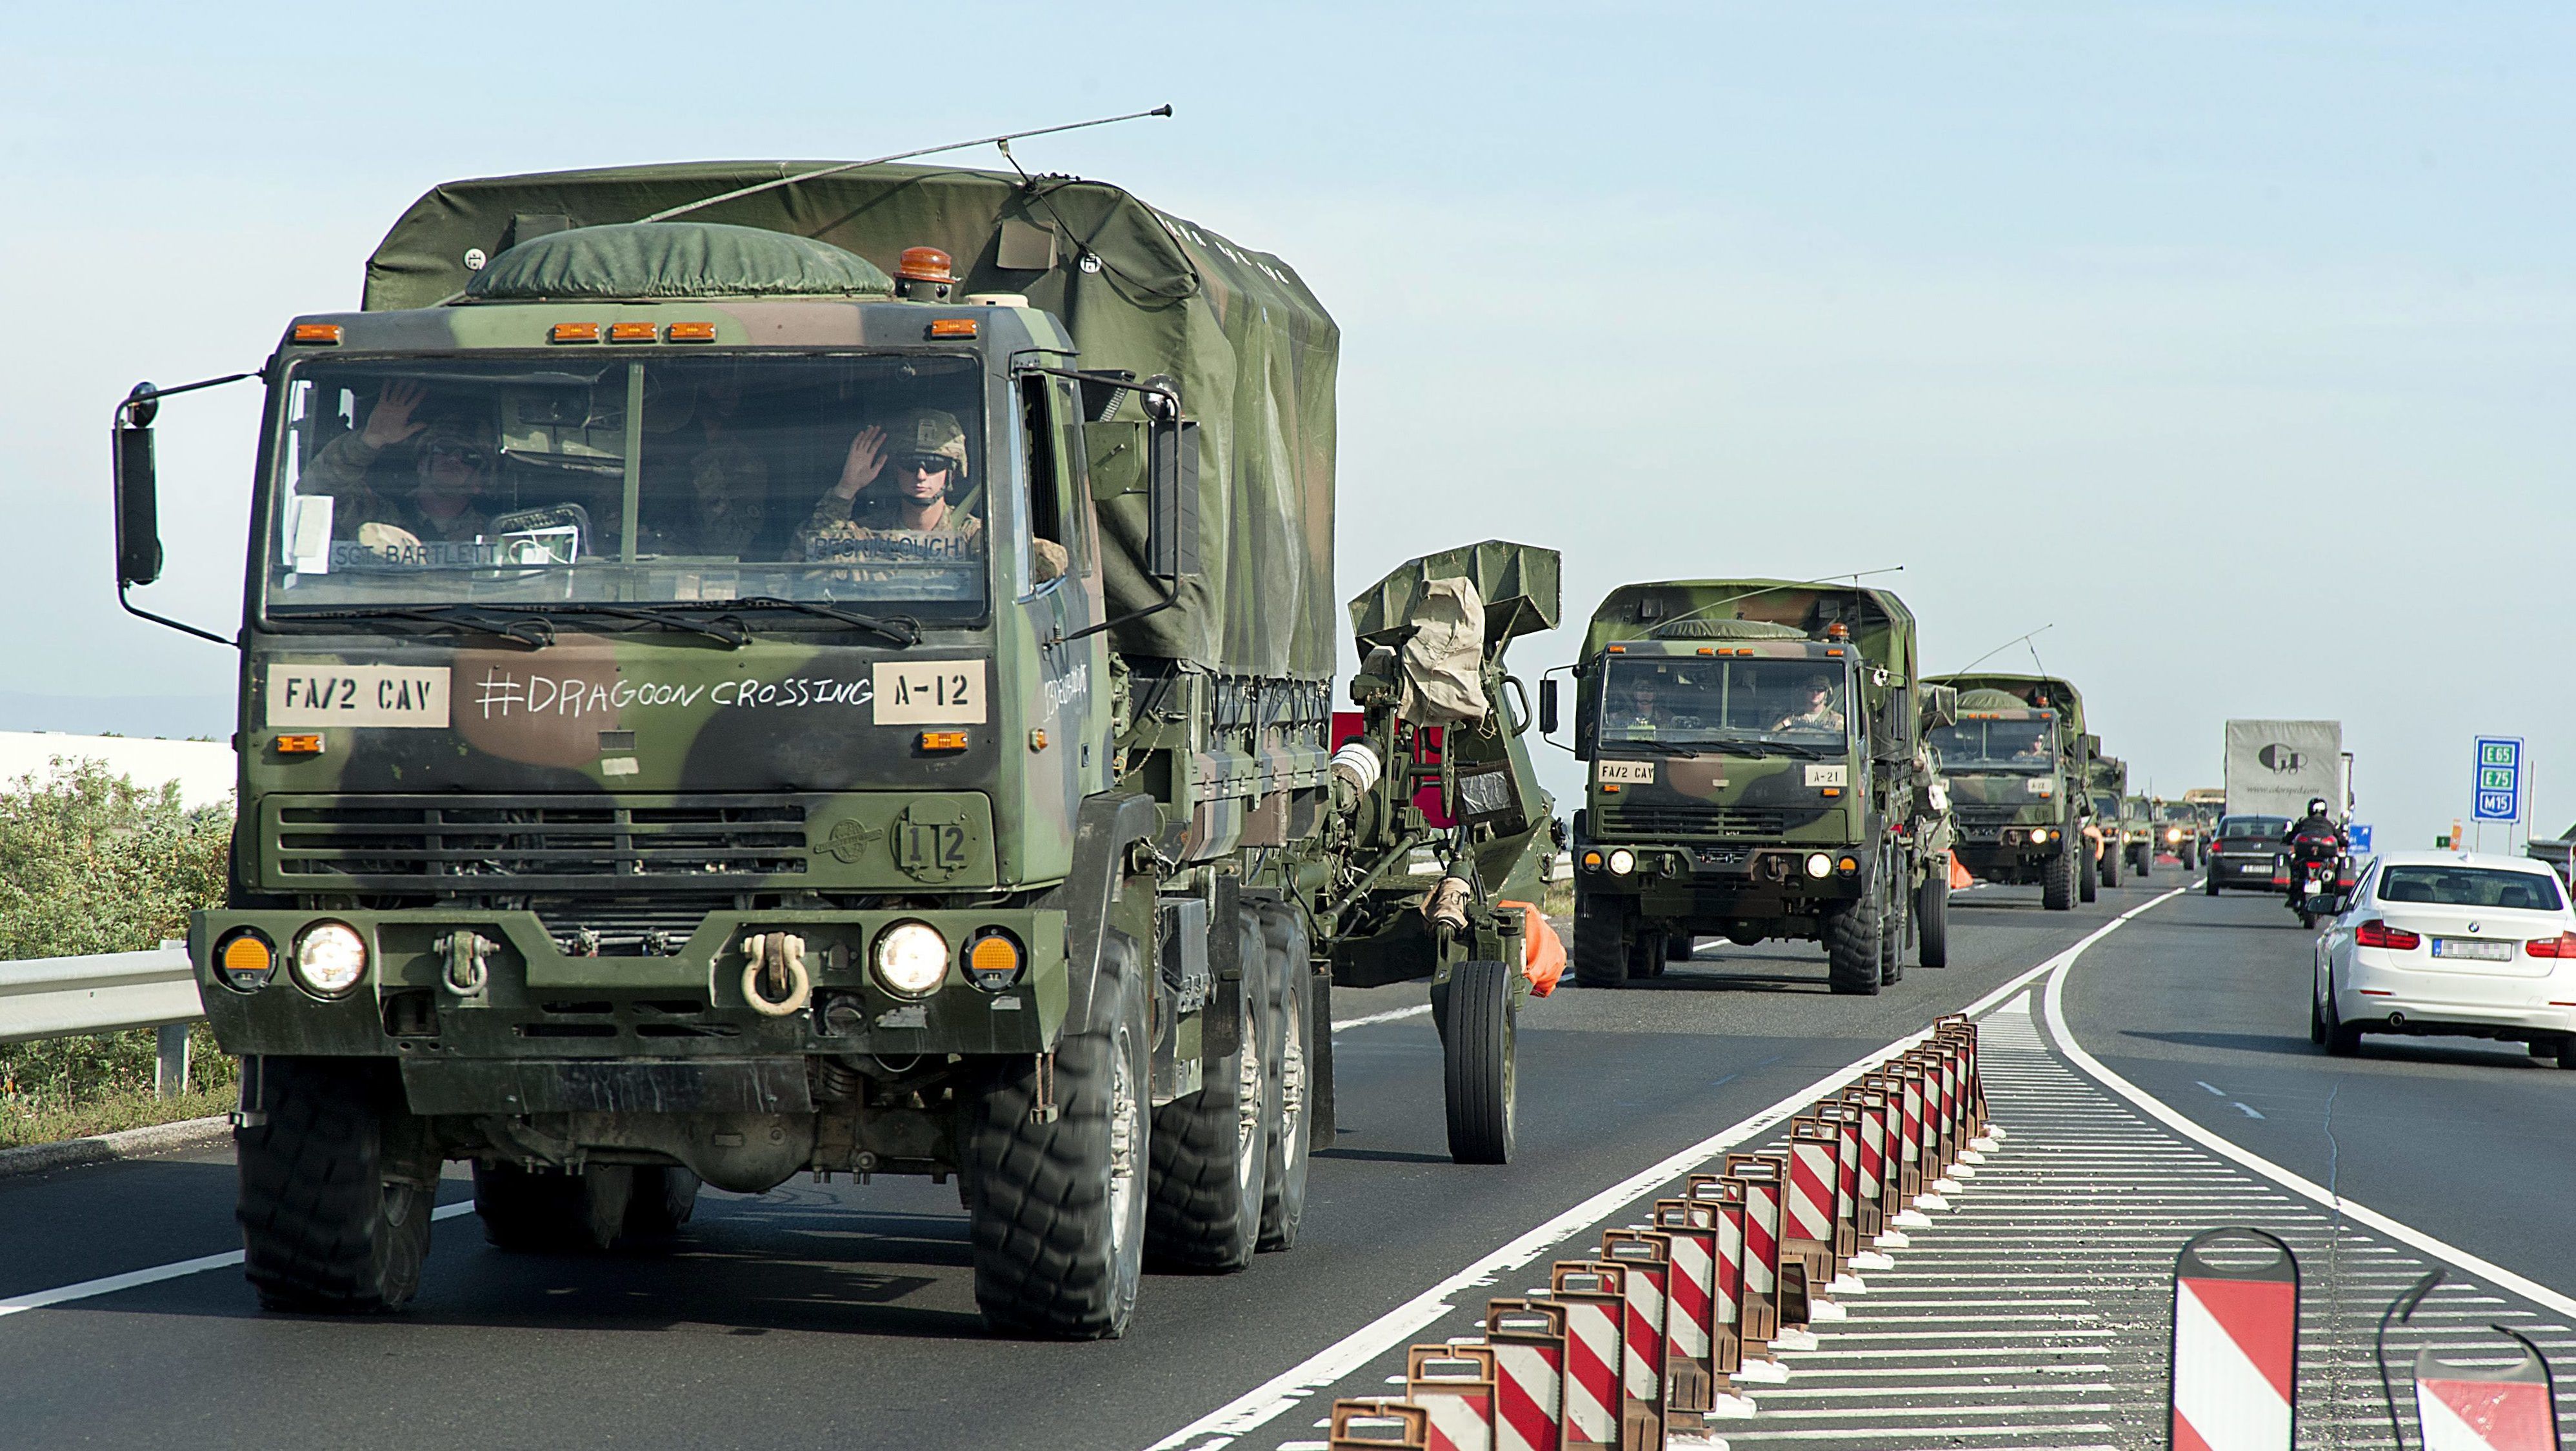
[(943, 740), (326, 333), (1833, 791), (1708, 649), (632, 332), (925, 264), (994, 954), (692, 332), (573, 332), (303, 745), (247, 954), (952, 327)]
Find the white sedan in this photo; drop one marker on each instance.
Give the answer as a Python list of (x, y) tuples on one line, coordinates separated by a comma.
[(2454, 943)]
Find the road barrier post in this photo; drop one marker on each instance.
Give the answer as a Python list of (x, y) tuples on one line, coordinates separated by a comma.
[(1815, 1151), (1782, 1276), (1845, 1121), (1727, 1335), (1690, 1319), (1595, 1298), (2235, 1349), (1455, 1383), (2467, 1407), (1647, 1255), (1378, 1425), (1528, 1337)]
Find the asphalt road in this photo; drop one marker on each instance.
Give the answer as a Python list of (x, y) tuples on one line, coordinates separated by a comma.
[(844, 1314), (2202, 1002)]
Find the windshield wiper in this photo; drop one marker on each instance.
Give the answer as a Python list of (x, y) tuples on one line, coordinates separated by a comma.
[(532, 630), (904, 630), (733, 635)]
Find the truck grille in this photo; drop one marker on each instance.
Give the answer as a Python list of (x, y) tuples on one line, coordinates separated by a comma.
[(1694, 821), (486, 843), (1979, 813)]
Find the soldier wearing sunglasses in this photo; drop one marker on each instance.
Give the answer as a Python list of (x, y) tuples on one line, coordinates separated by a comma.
[(913, 475), (451, 470)]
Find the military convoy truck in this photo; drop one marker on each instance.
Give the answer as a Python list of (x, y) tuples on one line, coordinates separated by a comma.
[(1757, 771), (2140, 835), (2017, 763), (751, 669), (2105, 830)]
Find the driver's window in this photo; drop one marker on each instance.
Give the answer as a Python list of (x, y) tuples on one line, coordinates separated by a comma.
[(1047, 543)]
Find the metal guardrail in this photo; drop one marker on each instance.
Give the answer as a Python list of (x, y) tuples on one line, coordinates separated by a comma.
[(110, 992)]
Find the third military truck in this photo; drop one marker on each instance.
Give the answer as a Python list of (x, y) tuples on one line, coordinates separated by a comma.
[(751, 669), (2018, 763), (1757, 771)]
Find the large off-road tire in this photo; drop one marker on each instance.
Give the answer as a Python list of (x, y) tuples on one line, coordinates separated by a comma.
[(1204, 1182), (2089, 881), (1283, 1169), (1851, 945), (1601, 924), (666, 1196), (2057, 882), (2111, 861), (1932, 917), (1647, 954), (331, 1219), (1057, 1209), (1478, 1074)]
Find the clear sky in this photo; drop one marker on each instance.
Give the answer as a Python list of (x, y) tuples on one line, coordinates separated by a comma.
[(2233, 341)]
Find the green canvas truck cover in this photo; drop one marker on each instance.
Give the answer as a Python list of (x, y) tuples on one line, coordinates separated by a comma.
[(1254, 353)]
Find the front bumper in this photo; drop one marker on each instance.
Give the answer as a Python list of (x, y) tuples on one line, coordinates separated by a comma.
[(1729, 878), (538, 1004)]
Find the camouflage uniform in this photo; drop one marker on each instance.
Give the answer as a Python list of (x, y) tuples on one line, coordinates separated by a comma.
[(876, 512), (728, 503), (340, 472)]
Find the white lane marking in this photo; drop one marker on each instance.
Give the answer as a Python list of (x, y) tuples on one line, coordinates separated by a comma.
[(2054, 1006), (176, 1269), (2214, 1090), (1416, 1011), (2247, 1109), (1283, 1392)]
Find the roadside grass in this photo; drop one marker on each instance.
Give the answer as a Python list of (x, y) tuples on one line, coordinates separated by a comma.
[(89, 862)]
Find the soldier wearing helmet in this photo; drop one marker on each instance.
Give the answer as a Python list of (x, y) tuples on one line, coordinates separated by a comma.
[(452, 468), (1817, 708), (925, 451)]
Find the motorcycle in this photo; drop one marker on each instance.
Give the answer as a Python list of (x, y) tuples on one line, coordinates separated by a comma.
[(2314, 874)]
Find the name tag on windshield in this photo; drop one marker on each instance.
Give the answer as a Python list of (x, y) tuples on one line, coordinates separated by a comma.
[(1623, 773), (929, 692), (357, 695)]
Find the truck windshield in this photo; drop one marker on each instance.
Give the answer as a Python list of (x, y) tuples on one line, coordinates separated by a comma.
[(2107, 807), (1794, 703), (584, 478), (1995, 744)]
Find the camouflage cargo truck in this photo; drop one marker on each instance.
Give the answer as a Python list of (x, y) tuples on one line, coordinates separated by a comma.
[(2103, 827), (2179, 830), (2139, 835), (1757, 771), (836, 679), (2017, 762)]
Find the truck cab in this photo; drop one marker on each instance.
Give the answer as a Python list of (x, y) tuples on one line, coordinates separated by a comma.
[(2017, 762)]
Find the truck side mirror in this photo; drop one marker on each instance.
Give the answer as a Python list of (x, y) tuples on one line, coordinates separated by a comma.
[(1171, 484), (138, 508), (1940, 706), (1546, 706)]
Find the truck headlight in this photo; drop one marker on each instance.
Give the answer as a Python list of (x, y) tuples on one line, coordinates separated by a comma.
[(2039, 837), (1622, 862), (330, 958), (911, 958), (1819, 865), (2173, 833)]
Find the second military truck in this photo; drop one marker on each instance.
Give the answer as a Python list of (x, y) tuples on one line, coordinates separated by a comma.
[(2018, 761), (1757, 772)]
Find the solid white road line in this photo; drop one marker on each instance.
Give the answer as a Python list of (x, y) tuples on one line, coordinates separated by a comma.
[(1416, 1011), (110, 1284), (1284, 1391), (2054, 1007)]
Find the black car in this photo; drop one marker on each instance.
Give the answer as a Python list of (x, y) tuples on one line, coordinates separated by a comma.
[(2243, 852)]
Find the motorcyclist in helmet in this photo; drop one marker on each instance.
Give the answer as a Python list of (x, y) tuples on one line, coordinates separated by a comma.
[(2312, 838)]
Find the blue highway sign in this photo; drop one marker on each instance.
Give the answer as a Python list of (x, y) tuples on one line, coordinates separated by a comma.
[(2498, 793)]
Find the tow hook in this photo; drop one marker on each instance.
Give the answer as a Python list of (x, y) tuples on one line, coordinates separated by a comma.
[(774, 979), (466, 953)]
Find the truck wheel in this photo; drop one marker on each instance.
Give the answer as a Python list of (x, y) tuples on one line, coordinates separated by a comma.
[(1204, 1182), (1283, 1169), (2111, 856), (1678, 946), (2089, 880), (2210, 887), (2057, 882), (1477, 1062), (551, 1210), (1058, 1216), (665, 1197), (1647, 955), (1600, 939), (1932, 918), (325, 1225), (1851, 946)]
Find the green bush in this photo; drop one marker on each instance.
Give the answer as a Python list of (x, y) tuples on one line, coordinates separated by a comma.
[(89, 862)]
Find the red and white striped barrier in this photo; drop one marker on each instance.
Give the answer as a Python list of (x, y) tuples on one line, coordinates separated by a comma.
[(2235, 1344), (1528, 1337), (1595, 1298), (2461, 1407), (1378, 1425), (1808, 1223), (1691, 1295), (1455, 1383), (1647, 1257)]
